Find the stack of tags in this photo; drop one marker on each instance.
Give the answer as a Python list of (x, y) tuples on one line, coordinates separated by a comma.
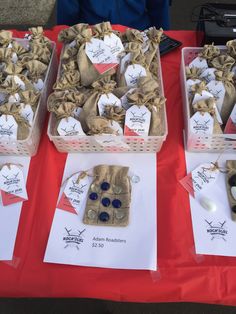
[(108, 83), (211, 90), (23, 68)]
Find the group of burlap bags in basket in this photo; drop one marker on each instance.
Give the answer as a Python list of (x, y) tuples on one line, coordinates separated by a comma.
[(211, 82), (80, 86), (22, 73)]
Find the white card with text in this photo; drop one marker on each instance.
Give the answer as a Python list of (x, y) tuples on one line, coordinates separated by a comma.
[(133, 247)]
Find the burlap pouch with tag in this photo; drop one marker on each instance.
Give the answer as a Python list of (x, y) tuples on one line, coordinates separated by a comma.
[(230, 94), (37, 37), (230, 182), (209, 52), (30, 97), (5, 38), (96, 125), (23, 125), (193, 73), (132, 35), (102, 29), (208, 106), (69, 34), (111, 206), (154, 38), (197, 88), (37, 52), (11, 87), (12, 68), (36, 70), (68, 80), (115, 113), (223, 63)]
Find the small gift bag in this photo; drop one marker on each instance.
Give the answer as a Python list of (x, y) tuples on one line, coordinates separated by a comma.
[(192, 76), (69, 34), (97, 125), (5, 38), (199, 91), (223, 63), (12, 123), (36, 73), (37, 37), (208, 53), (69, 80), (109, 197), (150, 50)]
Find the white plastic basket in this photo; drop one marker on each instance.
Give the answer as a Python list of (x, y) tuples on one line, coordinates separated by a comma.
[(29, 146), (110, 143), (203, 143)]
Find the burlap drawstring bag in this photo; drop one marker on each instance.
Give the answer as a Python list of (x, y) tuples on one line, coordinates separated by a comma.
[(5, 38), (23, 125), (223, 63), (58, 97), (193, 73), (30, 97), (231, 48), (68, 80), (6, 54), (13, 68), (61, 111), (198, 89), (109, 197), (69, 53), (88, 72), (132, 35), (97, 125), (69, 34), (10, 84), (102, 29), (18, 48), (70, 65), (230, 93), (37, 52), (231, 167), (208, 106), (154, 36), (209, 52), (115, 113), (147, 85), (103, 86), (36, 70), (37, 37)]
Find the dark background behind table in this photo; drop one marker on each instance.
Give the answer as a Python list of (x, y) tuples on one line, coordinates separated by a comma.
[(13, 14)]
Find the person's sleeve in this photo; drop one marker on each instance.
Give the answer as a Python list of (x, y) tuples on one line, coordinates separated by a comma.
[(68, 12), (158, 11)]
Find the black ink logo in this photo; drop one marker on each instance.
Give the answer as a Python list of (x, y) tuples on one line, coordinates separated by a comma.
[(73, 238), (217, 230), (203, 176), (201, 127), (137, 120), (6, 131), (70, 132)]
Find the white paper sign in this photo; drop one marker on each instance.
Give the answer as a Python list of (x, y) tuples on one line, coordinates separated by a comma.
[(8, 127), (107, 99), (133, 74), (100, 55), (27, 113), (208, 74), (114, 43), (137, 121), (201, 123), (132, 247), (199, 63), (70, 127), (217, 89), (12, 185)]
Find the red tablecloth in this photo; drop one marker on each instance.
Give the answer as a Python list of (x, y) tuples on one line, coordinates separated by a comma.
[(182, 275)]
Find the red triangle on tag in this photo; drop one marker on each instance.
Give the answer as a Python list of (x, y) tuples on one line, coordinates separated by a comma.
[(8, 199), (65, 204), (129, 132), (187, 183), (230, 127), (104, 67)]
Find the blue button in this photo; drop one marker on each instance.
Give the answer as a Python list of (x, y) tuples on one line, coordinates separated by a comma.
[(105, 186), (116, 203), (104, 216), (93, 196), (106, 202)]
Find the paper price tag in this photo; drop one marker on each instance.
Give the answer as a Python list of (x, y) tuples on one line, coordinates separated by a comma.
[(100, 55), (230, 127), (107, 99), (137, 121), (208, 74), (27, 113), (201, 123), (8, 127), (124, 100), (217, 89), (70, 127), (198, 63), (133, 74), (39, 84), (200, 178), (12, 185), (75, 193), (205, 95), (114, 43)]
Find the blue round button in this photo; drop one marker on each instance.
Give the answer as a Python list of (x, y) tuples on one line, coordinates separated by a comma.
[(105, 186), (106, 202), (104, 216), (93, 196), (116, 203)]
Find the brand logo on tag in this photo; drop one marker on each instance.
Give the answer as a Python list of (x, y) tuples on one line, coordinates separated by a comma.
[(8, 127), (70, 127), (133, 73), (12, 185), (137, 121), (208, 74), (73, 238), (199, 63), (100, 55), (201, 123), (114, 43), (217, 230)]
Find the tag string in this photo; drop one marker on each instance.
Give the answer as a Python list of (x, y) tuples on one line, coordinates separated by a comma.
[(9, 164), (82, 175)]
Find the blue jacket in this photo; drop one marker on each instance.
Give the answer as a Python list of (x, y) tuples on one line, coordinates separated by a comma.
[(139, 14)]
